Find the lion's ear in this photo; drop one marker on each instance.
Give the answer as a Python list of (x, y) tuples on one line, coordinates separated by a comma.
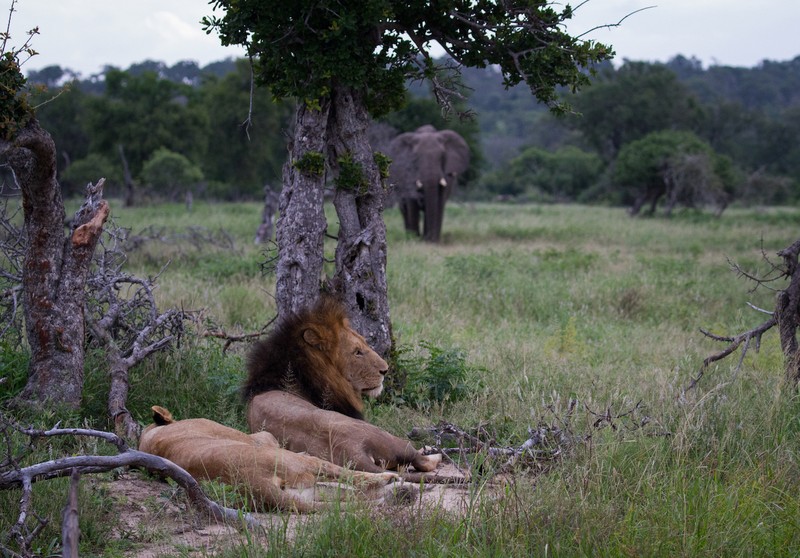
[(313, 338)]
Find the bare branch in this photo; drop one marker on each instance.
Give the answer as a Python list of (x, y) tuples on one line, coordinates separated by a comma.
[(24, 477), (610, 25), (734, 343), (70, 531)]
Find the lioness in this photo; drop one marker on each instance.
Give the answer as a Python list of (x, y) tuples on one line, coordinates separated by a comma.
[(269, 476), (305, 383)]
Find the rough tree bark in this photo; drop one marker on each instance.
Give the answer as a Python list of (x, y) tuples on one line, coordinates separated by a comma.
[(300, 229), (360, 278), (787, 312), (55, 269), (335, 138)]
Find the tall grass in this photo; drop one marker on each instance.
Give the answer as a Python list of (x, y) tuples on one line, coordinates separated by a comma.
[(549, 304)]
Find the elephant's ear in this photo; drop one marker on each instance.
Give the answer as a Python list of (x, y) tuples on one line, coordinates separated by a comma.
[(457, 159), (401, 151)]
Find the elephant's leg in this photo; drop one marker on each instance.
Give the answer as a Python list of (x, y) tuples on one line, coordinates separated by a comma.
[(409, 207), (435, 197)]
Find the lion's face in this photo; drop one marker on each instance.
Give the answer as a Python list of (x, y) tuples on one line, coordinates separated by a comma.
[(362, 366)]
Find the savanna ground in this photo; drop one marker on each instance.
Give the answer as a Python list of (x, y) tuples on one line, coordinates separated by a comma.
[(569, 316)]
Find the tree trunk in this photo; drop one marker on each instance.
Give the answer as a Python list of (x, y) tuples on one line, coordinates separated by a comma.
[(787, 312), (55, 270), (360, 277), (127, 178), (267, 226), (300, 230)]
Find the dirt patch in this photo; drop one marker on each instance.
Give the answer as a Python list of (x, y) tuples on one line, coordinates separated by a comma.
[(153, 518)]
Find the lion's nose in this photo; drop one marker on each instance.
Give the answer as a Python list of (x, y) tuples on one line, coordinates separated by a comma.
[(384, 370)]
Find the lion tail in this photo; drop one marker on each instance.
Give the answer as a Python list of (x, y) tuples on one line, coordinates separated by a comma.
[(161, 416)]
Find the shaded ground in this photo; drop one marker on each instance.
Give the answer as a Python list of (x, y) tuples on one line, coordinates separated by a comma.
[(154, 519)]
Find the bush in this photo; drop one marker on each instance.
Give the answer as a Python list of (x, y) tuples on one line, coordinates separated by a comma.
[(89, 169), (169, 173), (431, 376), (559, 176)]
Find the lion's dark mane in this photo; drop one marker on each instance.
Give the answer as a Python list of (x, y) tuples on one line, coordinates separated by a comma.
[(283, 361)]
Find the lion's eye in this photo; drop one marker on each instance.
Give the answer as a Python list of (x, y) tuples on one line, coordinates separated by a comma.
[(359, 353)]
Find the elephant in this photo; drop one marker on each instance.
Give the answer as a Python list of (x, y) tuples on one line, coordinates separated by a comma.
[(425, 168)]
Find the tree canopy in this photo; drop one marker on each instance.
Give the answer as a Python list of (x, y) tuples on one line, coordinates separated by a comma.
[(302, 47)]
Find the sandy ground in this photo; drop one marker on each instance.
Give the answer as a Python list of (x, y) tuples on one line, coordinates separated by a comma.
[(155, 519)]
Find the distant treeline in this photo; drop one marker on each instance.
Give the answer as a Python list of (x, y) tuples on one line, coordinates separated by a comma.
[(710, 135)]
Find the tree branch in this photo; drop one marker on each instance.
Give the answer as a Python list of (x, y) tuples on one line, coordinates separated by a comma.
[(24, 477)]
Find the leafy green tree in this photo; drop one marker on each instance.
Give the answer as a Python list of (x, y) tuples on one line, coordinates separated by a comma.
[(629, 103), (347, 60), (675, 165), (62, 112), (168, 172), (89, 169), (245, 155), (535, 173), (143, 113)]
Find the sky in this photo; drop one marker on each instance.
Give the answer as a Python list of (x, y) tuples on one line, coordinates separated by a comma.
[(86, 35)]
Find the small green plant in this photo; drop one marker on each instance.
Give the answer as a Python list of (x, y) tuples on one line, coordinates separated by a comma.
[(431, 376), (311, 163), (383, 161), (351, 175), (15, 109)]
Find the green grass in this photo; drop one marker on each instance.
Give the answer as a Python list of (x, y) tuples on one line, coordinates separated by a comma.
[(547, 303)]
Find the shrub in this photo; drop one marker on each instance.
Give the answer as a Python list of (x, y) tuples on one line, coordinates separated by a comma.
[(540, 174), (432, 375), (168, 172), (91, 168)]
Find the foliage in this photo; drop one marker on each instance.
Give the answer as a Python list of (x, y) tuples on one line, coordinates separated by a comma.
[(541, 175), (432, 375), (627, 104), (652, 163), (167, 172), (312, 163), (746, 114), (15, 108), (143, 113), (373, 45), (62, 111), (247, 133), (351, 175), (90, 169)]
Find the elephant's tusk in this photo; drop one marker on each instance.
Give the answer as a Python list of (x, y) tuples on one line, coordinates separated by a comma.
[(443, 183), (419, 185)]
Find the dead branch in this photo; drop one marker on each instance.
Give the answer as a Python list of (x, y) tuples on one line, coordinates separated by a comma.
[(786, 316), (14, 476), (70, 530), (546, 443), (123, 317)]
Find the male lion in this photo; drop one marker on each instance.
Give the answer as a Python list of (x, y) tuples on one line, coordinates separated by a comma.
[(268, 475), (305, 383)]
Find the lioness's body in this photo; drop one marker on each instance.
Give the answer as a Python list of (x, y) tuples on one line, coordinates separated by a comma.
[(272, 477), (305, 385)]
